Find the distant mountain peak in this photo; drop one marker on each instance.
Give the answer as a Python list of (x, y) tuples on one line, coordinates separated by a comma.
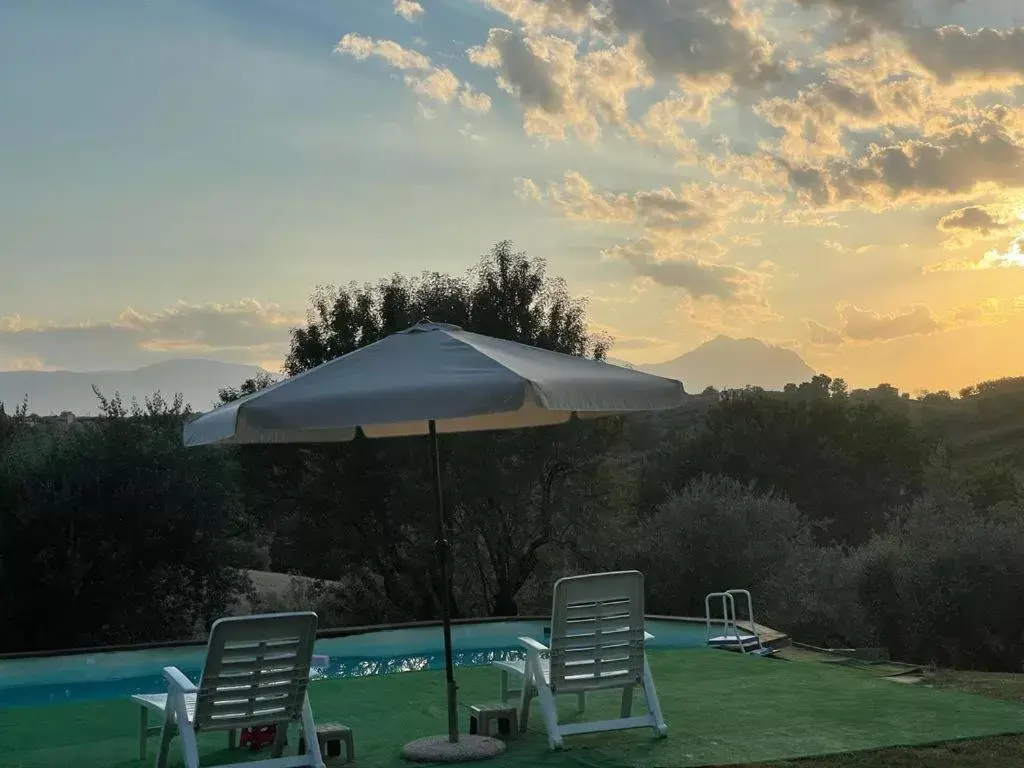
[(726, 362)]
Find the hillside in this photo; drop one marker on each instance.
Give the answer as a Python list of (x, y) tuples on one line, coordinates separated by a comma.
[(982, 426), (51, 392)]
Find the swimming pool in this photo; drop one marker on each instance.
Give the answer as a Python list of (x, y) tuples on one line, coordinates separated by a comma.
[(119, 674)]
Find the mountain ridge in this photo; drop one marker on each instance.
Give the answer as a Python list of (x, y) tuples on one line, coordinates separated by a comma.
[(53, 392)]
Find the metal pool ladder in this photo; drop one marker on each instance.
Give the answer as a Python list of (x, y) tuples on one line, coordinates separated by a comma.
[(730, 638)]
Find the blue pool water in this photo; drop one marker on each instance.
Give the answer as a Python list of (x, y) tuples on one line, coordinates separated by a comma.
[(117, 675)]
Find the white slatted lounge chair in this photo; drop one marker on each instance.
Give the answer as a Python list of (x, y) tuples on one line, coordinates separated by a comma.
[(597, 643), (256, 673)]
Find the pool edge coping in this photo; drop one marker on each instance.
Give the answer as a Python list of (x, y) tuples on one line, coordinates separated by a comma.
[(768, 635)]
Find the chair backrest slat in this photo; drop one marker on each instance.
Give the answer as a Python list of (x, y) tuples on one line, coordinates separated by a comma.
[(256, 671), (597, 631)]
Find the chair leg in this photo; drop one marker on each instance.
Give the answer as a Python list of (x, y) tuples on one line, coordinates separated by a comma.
[(653, 705), (166, 734), (277, 749), (526, 693), (549, 710), (189, 744), (309, 730), (627, 701), (143, 731)]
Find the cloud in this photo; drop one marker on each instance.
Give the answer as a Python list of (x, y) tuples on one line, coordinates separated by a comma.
[(623, 341), (422, 75), (665, 123), (969, 224), (952, 51), (840, 248), (675, 243), (706, 47), (1012, 257), (701, 279), (862, 326), (538, 15), (974, 218), (946, 51), (241, 331), (863, 17), (691, 211), (695, 41), (409, 10), (698, 40), (822, 120), (559, 90), (362, 48), (963, 160)]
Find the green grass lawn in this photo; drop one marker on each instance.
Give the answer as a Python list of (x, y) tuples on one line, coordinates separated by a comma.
[(722, 708), (995, 752)]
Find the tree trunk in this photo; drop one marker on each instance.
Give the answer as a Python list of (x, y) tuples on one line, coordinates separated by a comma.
[(504, 602)]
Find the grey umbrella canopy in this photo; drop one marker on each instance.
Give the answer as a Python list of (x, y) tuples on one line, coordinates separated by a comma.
[(428, 379), (433, 372)]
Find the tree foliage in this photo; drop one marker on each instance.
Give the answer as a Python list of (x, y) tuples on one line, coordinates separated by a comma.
[(111, 533), (843, 463)]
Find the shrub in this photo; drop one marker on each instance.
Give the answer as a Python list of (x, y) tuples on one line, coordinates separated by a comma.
[(946, 584), (814, 598), (716, 534)]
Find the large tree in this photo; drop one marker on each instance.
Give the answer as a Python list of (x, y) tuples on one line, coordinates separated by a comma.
[(364, 512)]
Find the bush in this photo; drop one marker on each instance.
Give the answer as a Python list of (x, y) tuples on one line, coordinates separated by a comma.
[(717, 534), (946, 586), (814, 598)]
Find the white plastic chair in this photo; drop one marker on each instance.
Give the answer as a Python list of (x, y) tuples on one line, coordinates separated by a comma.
[(597, 643), (256, 673)]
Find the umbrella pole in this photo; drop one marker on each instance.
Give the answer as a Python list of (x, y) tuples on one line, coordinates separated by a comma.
[(448, 749), (444, 553)]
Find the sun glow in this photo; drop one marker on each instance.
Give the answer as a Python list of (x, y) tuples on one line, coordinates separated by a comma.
[(1013, 256)]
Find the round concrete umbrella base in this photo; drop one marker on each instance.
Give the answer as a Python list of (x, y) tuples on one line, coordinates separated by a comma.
[(437, 749)]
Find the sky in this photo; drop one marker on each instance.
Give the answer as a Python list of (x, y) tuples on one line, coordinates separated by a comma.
[(841, 177)]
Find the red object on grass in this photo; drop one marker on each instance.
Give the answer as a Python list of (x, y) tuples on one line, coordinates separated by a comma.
[(258, 737)]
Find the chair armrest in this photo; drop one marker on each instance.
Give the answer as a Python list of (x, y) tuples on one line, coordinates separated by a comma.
[(176, 680), (319, 660), (533, 645)]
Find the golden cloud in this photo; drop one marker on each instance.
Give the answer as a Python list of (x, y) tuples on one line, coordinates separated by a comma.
[(862, 326), (558, 90), (423, 76)]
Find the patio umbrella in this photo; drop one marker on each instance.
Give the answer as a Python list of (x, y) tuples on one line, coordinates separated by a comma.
[(429, 379)]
